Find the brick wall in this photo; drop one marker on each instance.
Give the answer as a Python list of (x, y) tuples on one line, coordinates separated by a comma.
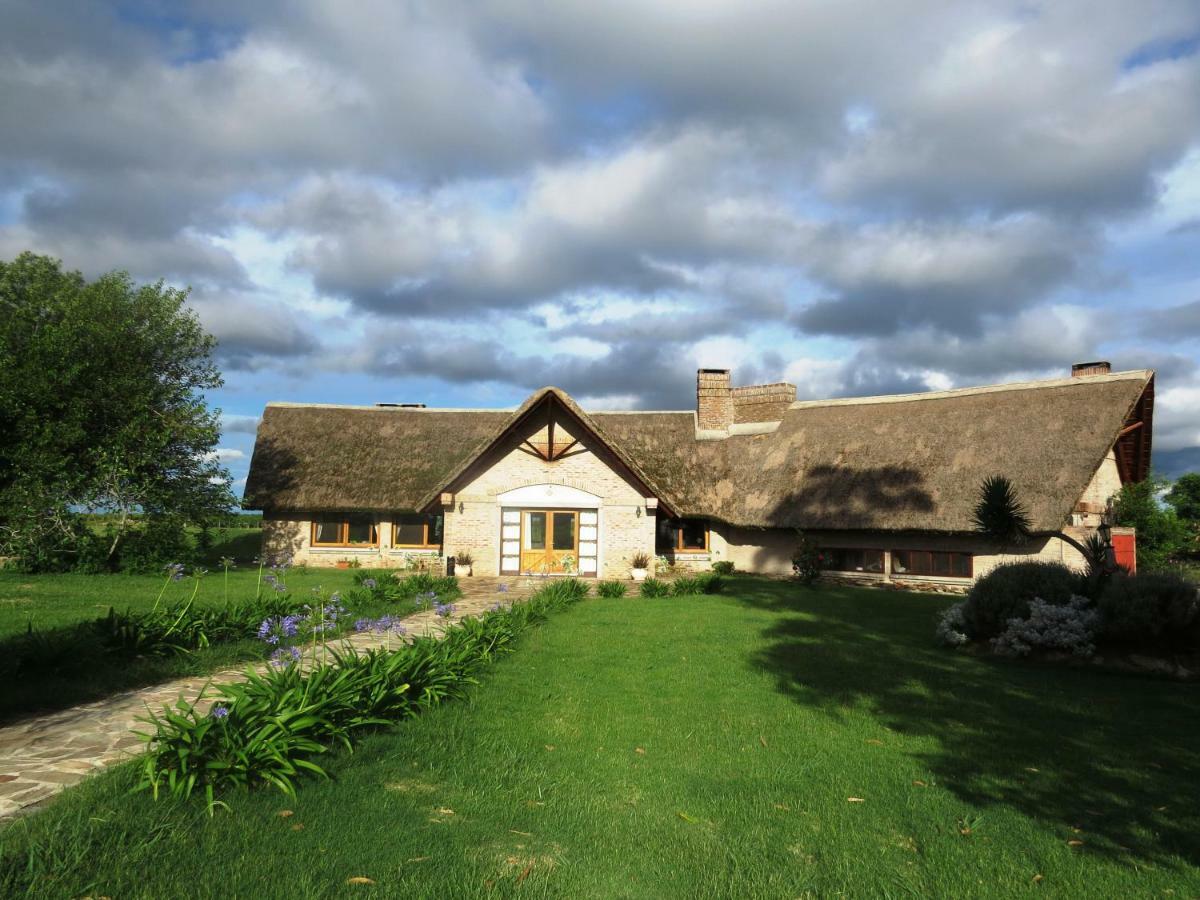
[(762, 402), (714, 400)]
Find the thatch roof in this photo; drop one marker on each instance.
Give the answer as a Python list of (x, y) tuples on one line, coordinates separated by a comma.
[(911, 462)]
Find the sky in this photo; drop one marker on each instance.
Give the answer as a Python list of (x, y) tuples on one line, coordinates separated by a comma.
[(457, 202)]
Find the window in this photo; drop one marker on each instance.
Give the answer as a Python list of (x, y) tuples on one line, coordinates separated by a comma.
[(838, 559), (564, 531), (417, 530), (941, 563), (681, 535), (340, 530)]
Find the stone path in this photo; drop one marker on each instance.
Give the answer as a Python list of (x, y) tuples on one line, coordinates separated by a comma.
[(41, 756)]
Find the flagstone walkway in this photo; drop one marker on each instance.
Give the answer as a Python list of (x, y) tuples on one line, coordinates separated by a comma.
[(41, 756)]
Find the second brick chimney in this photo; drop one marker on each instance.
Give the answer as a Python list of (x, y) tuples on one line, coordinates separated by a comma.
[(714, 400)]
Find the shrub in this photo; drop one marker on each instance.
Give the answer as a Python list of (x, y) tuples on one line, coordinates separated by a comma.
[(1006, 592), (1051, 626), (951, 627), (270, 729), (422, 587), (724, 567), (640, 560), (610, 589), (701, 583), (685, 585), (1151, 611), (654, 587), (806, 559)]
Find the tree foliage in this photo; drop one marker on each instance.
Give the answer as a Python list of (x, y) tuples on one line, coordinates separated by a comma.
[(102, 398), (1161, 535)]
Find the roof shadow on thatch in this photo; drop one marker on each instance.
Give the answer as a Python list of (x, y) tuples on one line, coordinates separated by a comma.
[(274, 472), (842, 497), (1064, 746)]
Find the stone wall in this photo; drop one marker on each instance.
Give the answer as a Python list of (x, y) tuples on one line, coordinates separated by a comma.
[(769, 550), (626, 521), (287, 538)]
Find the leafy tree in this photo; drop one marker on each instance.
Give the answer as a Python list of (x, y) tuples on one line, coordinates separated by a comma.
[(102, 402), (1184, 497), (1161, 535)]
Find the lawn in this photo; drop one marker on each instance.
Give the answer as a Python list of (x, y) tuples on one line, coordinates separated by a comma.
[(52, 602), (772, 742)]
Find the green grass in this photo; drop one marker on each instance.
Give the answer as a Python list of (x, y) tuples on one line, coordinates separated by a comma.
[(53, 602), (701, 746)]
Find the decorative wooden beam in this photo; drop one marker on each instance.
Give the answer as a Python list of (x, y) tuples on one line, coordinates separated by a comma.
[(1129, 429)]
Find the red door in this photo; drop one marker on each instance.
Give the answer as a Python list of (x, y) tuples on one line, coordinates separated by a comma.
[(1125, 549)]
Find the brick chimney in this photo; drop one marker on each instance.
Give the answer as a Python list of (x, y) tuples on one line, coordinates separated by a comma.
[(714, 400), (1081, 370)]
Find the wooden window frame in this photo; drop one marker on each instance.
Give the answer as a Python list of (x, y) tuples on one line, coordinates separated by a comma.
[(343, 535), (679, 548), (970, 557), (424, 531), (864, 571)]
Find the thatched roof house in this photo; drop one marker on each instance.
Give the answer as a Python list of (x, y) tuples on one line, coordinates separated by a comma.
[(527, 489)]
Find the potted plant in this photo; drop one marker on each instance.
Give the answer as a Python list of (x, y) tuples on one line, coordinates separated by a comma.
[(462, 563), (343, 563), (639, 563)]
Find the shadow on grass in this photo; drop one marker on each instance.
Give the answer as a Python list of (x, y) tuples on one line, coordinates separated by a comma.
[(57, 668), (1112, 755)]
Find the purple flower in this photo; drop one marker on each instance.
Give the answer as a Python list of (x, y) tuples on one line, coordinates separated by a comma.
[(285, 656), (502, 588), (361, 625), (445, 610), (369, 583), (280, 588), (175, 571), (269, 578), (273, 629), (497, 606), (219, 712)]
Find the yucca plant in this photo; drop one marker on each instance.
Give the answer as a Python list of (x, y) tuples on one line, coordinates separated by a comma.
[(1001, 516)]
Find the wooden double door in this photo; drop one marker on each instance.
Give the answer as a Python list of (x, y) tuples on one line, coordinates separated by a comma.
[(549, 541)]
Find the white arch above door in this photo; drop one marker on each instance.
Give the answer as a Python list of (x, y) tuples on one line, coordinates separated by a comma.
[(550, 496)]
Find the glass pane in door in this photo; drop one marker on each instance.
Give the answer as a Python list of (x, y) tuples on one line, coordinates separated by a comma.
[(535, 531), (564, 531)]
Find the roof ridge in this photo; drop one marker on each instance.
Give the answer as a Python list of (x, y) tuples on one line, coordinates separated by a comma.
[(1132, 374), (286, 404)]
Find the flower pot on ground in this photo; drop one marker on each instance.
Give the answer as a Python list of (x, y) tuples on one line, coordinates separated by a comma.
[(462, 564), (638, 566), (343, 563)]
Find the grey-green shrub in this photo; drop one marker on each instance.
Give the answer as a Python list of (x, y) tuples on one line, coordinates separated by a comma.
[(724, 567), (1155, 611), (610, 589), (1006, 591), (654, 587)]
